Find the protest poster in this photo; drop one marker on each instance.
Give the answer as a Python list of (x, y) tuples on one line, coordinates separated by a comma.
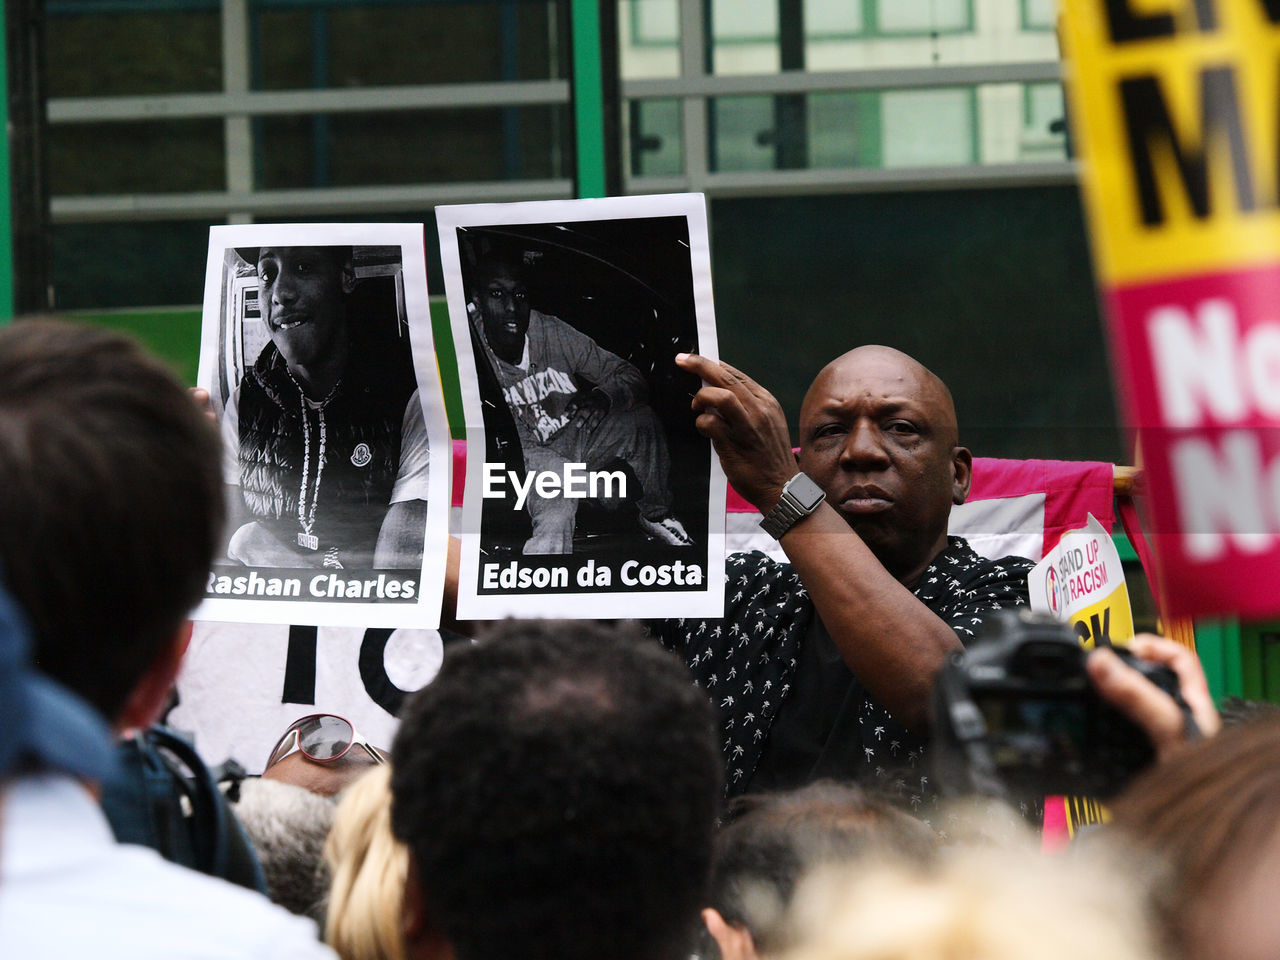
[(593, 494), (317, 353), (1173, 109), (1081, 582)]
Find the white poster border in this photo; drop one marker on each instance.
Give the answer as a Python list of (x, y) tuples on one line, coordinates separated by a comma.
[(424, 612), (707, 602)]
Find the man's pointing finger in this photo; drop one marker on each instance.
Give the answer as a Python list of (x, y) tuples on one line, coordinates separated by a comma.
[(723, 403), (715, 374)]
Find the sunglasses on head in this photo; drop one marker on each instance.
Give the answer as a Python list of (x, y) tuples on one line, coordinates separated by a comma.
[(321, 737)]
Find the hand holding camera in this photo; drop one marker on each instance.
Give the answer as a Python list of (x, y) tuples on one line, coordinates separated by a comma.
[(1158, 714), (1020, 714)]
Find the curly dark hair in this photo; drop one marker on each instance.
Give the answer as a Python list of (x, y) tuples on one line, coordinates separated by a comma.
[(557, 785), (111, 502)]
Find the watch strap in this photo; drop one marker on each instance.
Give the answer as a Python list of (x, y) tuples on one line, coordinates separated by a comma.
[(791, 509)]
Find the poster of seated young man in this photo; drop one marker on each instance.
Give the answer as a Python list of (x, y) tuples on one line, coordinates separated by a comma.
[(317, 353), (594, 496)]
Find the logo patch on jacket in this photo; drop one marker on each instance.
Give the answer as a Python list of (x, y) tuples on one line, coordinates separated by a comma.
[(361, 456)]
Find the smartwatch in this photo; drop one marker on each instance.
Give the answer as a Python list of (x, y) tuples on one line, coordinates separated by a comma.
[(800, 497)]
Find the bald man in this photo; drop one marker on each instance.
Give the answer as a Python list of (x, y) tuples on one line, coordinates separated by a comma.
[(823, 667)]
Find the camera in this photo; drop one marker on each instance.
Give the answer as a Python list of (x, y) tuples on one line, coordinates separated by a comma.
[(1016, 716)]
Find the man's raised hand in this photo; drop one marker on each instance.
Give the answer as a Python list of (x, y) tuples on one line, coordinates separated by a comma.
[(747, 428)]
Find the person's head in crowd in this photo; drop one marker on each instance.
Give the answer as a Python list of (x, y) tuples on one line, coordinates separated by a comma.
[(878, 434), (974, 903), (322, 753), (556, 785), (288, 826), (1212, 812), (368, 865), (775, 840), (111, 508), (302, 293), (502, 297)]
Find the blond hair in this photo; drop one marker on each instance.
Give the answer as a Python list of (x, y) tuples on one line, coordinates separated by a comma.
[(368, 866), (975, 904)]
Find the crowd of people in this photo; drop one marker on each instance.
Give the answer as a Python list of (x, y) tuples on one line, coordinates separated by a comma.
[(751, 786)]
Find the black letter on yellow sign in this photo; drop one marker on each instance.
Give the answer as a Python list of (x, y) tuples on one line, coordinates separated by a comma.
[(1128, 26), (1149, 126), (1101, 632)]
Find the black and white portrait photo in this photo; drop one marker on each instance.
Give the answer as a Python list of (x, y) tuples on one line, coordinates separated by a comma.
[(594, 481), (327, 421)]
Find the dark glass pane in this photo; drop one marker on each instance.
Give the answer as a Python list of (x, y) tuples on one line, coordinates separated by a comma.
[(358, 45), (120, 54), (436, 146), (141, 157), (484, 42), (106, 265)]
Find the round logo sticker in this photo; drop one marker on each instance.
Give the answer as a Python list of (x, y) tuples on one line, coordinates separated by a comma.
[(1053, 591), (361, 456)]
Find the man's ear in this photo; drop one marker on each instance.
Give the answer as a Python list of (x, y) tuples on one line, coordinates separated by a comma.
[(151, 693), (961, 474), (735, 942), (348, 276), (423, 939)]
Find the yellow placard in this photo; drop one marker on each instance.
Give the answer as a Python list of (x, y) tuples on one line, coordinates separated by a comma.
[(1174, 107), (1110, 617)]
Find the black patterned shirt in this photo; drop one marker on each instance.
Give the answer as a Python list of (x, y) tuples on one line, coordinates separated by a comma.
[(747, 661)]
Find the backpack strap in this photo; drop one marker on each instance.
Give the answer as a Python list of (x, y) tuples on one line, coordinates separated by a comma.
[(169, 800)]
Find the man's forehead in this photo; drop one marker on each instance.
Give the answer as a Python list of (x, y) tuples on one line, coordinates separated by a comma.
[(295, 253), (326, 778), (501, 271), (880, 375)]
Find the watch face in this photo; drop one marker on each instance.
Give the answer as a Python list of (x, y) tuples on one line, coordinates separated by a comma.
[(807, 493)]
